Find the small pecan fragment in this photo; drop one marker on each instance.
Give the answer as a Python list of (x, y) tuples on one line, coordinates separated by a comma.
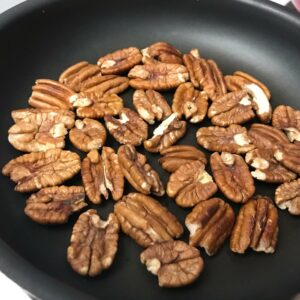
[(145, 220), (175, 263), (175, 156), (191, 184), (256, 227), (159, 77), (210, 224), (151, 105), (94, 243), (119, 61), (166, 134), (87, 135), (287, 119), (232, 176), (138, 173), (190, 102), (42, 169), (233, 139), (54, 205), (287, 196), (128, 129)]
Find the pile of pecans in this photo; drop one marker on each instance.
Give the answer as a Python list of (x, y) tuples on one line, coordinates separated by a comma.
[(85, 93)]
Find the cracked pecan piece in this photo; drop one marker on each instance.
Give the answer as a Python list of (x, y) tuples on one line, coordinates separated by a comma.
[(94, 243), (175, 263), (159, 77), (210, 224), (38, 130), (233, 139), (190, 102), (191, 184), (54, 205), (145, 220), (256, 227), (166, 134), (42, 169), (232, 176), (175, 156), (87, 135), (151, 105), (138, 173)]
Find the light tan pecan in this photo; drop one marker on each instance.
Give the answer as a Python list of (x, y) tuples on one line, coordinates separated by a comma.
[(256, 227), (232, 176), (190, 102), (138, 173), (145, 220), (94, 243), (175, 263), (54, 205), (210, 224), (151, 105), (42, 169)]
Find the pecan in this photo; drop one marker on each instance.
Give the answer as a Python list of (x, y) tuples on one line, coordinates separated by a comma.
[(166, 134), (175, 156), (138, 173), (175, 263), (120, 61), (145, 220), (87, 135), (94, 243), (256, 227), (158, 77), (42, 169), (128, 129), (233, 139), (210, 224), (288, 119), (232, 176), (54, 205), (190, 102), (151, 105), (102, 173), (191, 184), (39, 129)]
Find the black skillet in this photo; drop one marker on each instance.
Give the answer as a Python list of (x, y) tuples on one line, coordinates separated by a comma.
[(41, 38)]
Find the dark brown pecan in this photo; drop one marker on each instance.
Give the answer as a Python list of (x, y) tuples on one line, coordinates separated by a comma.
[(256, 227), (54, 205), (175, 263), (232, 176), (145, 220), (94, 243), (210, 224)]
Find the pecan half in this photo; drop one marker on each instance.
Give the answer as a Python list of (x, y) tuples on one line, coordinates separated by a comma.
[(233, 139), (145, 220), (166, 134), (42, 169), (210, 224), (151, 105), (138, 173), (94, 243), (232, 176), (54, 205), (256, 227), (175, 263), (191, 184)]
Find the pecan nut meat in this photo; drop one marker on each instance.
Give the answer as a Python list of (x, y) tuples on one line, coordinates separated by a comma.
[(210, 224), (94, 243), (175, 263), (54, 205), (232, 176), (145, 220)]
